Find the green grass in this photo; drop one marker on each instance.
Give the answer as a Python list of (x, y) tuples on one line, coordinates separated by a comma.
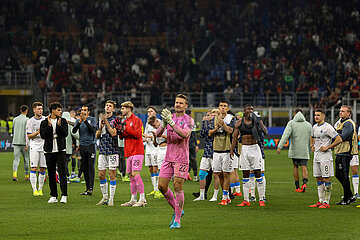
[(286, 215)]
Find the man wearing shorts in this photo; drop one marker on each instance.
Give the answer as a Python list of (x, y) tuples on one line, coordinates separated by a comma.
[(108, 152), (134, 152), (151, 151), (207, 158), (222, 163), (323, 169), (176, 162), (298, 131), (161, 147), (37, 157), (249, 129)]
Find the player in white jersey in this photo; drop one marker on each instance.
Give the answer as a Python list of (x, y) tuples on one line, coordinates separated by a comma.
[(151, 151), (354, 166), (161, 147), (37, 157), (323, 168)]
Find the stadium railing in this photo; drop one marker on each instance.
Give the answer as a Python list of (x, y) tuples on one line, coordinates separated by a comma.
[(16, 79), (145, 98)]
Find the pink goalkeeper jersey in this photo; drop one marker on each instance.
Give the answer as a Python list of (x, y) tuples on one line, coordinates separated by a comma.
[(178, 147)]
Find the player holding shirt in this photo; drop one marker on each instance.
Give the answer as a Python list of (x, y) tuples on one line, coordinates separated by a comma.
[(321, 136), (249, 129), (176, 162), (37, 157), (108, 152), (134, 152)]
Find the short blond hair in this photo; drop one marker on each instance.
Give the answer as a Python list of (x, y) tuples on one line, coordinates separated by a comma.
[(215, 110), (128, 104), (183, 96)]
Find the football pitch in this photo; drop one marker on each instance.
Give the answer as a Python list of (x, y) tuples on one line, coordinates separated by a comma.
[(286, 215)]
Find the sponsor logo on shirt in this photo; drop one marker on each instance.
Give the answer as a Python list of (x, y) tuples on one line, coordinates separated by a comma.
[(131, 124)]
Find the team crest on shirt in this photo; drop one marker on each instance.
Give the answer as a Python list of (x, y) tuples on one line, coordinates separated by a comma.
[(181, 123), (131, 124)]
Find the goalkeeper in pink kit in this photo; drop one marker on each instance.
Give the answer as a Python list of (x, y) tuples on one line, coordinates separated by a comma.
[(176, 161)]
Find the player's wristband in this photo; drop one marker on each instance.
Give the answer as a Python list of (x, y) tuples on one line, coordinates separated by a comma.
[(172, 123)]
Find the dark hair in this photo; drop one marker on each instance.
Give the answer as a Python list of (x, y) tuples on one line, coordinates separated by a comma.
[(24, 108), (86, 107), (319, 110), (35, 104), (247, 105), (298, 110), (183, 97), (224, 101), (187, 111), (152, 107), (55, 105)]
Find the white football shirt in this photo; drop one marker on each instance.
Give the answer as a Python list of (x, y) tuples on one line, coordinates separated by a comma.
[(32, 126), (323, 135)]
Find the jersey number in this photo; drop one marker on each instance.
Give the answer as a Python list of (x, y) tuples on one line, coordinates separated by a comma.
[(113, 159), (182, 168)]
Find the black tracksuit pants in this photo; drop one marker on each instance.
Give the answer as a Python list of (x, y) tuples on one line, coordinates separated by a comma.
[(342, 167), (87, 154), (59, 159)]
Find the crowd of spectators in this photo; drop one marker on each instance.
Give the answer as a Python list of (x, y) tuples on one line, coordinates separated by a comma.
[(261, 48)]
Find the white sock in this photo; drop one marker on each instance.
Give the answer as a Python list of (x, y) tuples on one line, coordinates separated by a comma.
[(252, 186), (232, 189), (41, 180), (133, 198), (142, 197), (153, 181), (260, 187), (33, 180), (355, 182), (216, 192), (321, 192), (202, 193), (237, 189), (264, 184), (246, 187), (112, 189), (104, 189), (157, 181), (328, 190)]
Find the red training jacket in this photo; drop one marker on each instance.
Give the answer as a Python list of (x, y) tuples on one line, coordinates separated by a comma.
[(133, 136)]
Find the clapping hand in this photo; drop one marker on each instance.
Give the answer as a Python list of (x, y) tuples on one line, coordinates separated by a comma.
[(59, 122), (166, 114)]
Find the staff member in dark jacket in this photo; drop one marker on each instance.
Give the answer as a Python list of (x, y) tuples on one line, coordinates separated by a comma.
[(344, 148), (54, 130), (87, 126)]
